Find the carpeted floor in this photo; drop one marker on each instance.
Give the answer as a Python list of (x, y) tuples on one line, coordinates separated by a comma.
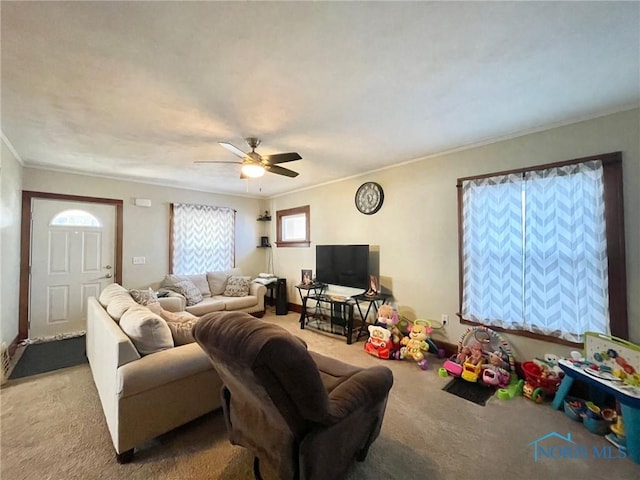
[(53, 428), (48, 356)]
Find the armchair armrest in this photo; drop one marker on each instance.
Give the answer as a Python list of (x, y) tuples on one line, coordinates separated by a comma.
[(365, 388)]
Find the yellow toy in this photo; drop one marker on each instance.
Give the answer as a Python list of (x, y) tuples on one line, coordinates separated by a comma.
[(416, 344)]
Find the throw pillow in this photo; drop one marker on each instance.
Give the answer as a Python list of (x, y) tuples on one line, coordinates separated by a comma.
[(182, 332), (168, 316), (188, 290), (148, 332), (237, 287), (170, 280), (144, 297), (110, 291), (217, 282)]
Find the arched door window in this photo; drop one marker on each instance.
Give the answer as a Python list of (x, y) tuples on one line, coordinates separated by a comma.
[(75, 218)]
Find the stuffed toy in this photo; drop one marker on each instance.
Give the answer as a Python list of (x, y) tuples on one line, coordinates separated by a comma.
[(477, 353), (379, 343), (388, 318), (463, 355), (415, 344)]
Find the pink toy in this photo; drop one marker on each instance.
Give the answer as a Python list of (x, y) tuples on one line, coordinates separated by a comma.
[(388, 318)]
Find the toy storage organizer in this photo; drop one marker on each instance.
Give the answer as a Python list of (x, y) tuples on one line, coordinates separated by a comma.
[(627, 395)]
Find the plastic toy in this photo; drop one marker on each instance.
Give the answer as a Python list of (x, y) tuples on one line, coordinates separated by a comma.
[(471, 371), (514, 388), (494, 374), (415, 344), (476, 345), (541, 382), (379, 343)]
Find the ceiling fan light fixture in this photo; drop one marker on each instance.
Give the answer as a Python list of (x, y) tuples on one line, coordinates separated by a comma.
[(252, 170)]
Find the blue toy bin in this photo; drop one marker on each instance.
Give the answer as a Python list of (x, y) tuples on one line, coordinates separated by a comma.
[(597, 426), (575, 408)]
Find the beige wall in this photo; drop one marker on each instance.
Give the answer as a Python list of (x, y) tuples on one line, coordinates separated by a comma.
[(10, 210), (416, 228), (146, 230)]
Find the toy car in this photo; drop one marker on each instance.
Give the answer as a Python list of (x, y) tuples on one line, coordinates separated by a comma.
[(471, 371)]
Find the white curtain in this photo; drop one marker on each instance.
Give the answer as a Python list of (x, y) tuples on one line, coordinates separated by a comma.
[(493, 251), (203, 238), (535, 252), (566, 280)]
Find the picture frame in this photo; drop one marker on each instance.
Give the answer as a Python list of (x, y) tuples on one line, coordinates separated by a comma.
[(306, 277)]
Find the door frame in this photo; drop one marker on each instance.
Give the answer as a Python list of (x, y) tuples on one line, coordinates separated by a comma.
[(25, 247)]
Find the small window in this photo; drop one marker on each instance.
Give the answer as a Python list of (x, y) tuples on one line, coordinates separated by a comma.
[(293, 227), (75, 218)]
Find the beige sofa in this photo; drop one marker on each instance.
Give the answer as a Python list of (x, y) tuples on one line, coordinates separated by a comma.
[(212, 287), (144, 395)]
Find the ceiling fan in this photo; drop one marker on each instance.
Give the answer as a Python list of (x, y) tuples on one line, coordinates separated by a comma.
[(255, 165)]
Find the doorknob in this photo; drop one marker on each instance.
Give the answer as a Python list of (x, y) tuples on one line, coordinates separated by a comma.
[(108, 275), (108, 267)]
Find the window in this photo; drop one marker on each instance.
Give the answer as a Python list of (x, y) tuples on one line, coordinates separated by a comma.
[(293, 227), (75, 218), (202, 238), (542, 249)]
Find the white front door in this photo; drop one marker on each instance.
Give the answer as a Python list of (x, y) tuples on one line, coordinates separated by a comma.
[(72, 259)]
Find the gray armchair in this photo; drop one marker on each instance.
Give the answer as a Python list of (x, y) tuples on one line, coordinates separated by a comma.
[(307, 415)]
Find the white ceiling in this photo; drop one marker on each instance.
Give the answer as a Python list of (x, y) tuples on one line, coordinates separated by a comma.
[(140, 90)]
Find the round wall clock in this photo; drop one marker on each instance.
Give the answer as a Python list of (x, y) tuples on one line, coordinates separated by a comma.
[(369, 198)]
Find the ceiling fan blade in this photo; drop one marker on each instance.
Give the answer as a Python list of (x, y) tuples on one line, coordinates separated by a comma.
[(281, 158), (233, 149), (280, 171), (215, 161)]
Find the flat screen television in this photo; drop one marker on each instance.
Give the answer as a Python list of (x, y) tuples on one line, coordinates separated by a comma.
[(344, 265)]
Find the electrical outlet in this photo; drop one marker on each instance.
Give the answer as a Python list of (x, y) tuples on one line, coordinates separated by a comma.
[(444, 318), (139, 260)]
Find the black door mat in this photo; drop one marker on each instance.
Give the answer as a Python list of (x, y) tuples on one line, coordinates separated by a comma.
[(46, 357), (472, 391)]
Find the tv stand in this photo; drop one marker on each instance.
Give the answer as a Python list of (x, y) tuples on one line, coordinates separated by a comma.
[(327, 313)]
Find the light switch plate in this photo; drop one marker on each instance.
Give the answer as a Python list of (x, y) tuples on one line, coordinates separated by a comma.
[(139, 260)]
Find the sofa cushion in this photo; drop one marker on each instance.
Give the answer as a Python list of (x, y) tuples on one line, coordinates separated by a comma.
[(211, 304), (119, 303), (237, 303), (217, 282), (182, 331), (144, 297), (109, 292), (170, 280), (199, 280), (188, 290), (237, 287), (148, 332)]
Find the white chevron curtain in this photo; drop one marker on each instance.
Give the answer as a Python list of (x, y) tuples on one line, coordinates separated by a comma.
[(534, 251), (203, 238)]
